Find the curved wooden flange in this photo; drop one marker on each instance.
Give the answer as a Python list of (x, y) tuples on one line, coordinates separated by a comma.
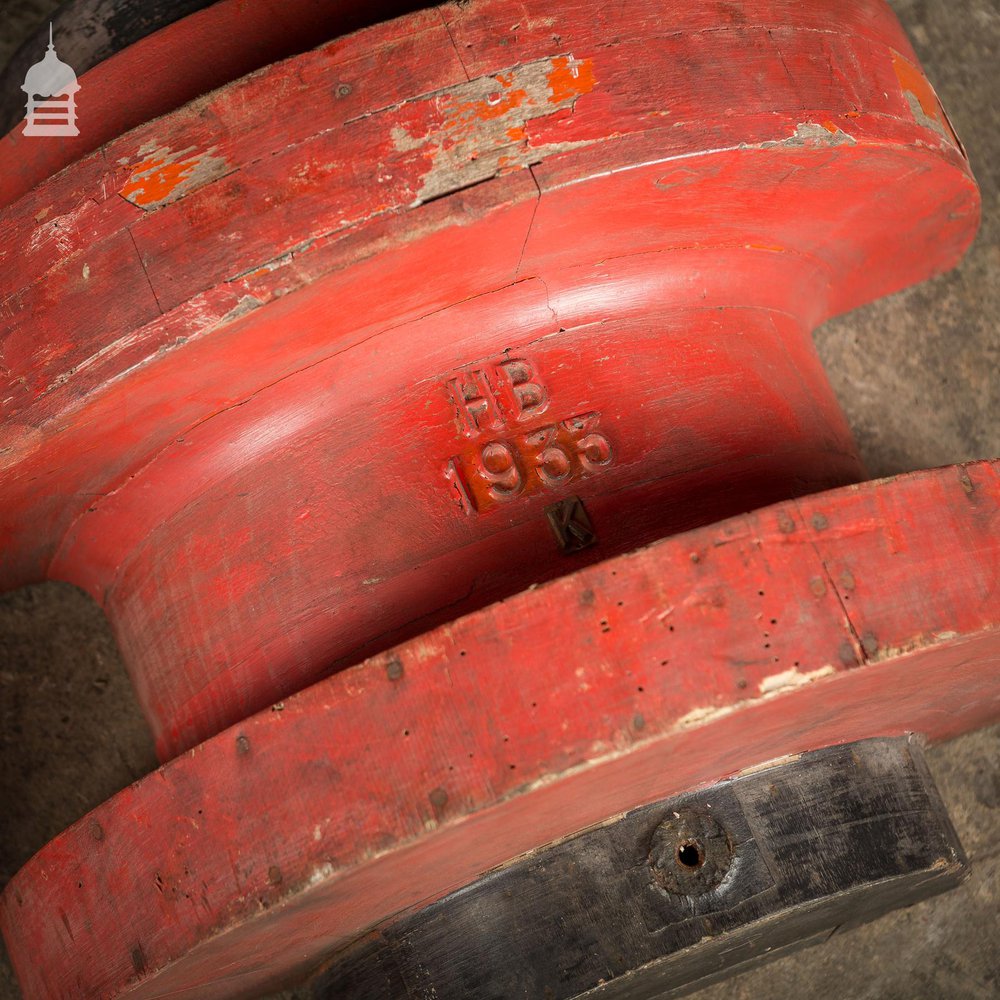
[(868, 610), (310, 365)]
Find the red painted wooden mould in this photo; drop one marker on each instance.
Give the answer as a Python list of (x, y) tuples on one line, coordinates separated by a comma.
[(332, 356), (335, 418)]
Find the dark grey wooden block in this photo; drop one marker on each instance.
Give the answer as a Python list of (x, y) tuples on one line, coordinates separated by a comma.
[(679, 893)]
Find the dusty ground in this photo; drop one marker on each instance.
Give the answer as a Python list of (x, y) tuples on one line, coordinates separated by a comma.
[(919, 377)]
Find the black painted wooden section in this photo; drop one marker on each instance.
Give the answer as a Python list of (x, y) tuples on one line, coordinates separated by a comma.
[(788, 854)]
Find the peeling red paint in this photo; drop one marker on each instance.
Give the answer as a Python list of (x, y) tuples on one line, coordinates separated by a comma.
[(483, 121), (209, 399), (166, 177), (496, 105), (154, 180)]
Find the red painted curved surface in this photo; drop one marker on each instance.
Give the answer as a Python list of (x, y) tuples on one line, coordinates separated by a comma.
[(181, 63), (237, 340), (873, 609)]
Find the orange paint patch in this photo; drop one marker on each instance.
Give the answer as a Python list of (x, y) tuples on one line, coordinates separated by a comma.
[(497, 105), (167, 176), (516, 134), (154, 180), (570, 78), (830, 127), (912, 81), (465, 116)]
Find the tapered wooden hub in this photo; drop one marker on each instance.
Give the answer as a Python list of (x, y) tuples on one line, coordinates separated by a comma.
[(443, 309)]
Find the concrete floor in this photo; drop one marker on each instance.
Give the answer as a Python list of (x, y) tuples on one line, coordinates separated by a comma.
[(919, 377)]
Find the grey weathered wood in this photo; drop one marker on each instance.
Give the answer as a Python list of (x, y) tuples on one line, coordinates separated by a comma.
[(788, 855)]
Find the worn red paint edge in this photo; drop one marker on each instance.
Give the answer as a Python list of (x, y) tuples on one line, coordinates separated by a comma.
[(868, 610)]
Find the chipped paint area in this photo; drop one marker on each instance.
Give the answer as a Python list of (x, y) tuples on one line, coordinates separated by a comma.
[(481, 125), (166, 176), (109, 350), (247, 304), (813, 134), (792, 678), (321, 873), (66, 232), (569, 78), (923, 102), (769, 687), (283, 259)]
